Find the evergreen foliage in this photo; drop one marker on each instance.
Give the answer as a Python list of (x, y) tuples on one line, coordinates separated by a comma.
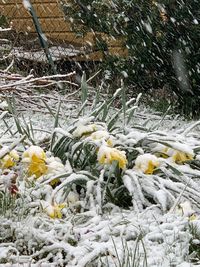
[(162, 39)]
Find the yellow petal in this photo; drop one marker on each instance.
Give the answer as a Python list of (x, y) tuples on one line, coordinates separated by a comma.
[(7, 162), (150, 168), (193, 217), (120, 157), (58, 214), (102, 160), (14, 155), (57, 210), (53, 210), (37, 168), (180, 157), (109, 142), (35, 158), (62, 206)]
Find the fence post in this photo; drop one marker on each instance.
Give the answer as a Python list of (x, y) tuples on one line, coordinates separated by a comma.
[(41, 35)]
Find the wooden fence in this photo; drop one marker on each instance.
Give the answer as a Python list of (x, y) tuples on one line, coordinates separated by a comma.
[(55, 27)]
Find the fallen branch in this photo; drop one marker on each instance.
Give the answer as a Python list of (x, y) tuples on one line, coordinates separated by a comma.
[(20, 80)]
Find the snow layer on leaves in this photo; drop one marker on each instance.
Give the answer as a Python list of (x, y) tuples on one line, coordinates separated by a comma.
[(90, 235)]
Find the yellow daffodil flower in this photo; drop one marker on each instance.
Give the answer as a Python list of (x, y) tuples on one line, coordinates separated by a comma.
[(35, 157), (84, 130), (177, 156), (53, 210), (146, 163), (9, 160), (106, 155), (180, 157)]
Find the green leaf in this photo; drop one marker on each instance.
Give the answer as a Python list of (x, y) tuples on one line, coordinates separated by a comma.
[(57, 114), (113, 120), (175, 170), (123, 95), (12, 109), (84, 88)]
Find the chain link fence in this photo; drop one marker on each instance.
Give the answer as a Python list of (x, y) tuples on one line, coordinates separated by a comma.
[(68, 49)]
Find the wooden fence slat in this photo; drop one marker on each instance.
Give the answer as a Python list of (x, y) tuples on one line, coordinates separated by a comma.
[(44, 10), (10, 2), (98, 55), (58, 29), (54, 25), (87, 39)]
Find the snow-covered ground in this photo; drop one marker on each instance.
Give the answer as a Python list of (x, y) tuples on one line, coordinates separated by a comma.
[(157, 230)]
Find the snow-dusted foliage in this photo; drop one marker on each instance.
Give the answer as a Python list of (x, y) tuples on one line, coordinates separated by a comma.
[(161, 40)]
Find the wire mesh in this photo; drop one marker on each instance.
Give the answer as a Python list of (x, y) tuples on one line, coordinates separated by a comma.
[(68, 49)]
